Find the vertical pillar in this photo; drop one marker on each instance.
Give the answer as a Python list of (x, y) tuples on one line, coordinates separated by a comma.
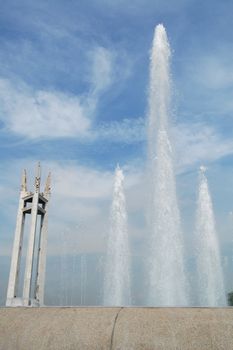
[(17, 246), (31, 241), (42, 250), (39, 257)]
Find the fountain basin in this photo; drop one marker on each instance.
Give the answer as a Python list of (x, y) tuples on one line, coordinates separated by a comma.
[(57, 328)]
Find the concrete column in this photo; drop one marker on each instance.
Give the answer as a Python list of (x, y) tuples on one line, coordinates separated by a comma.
[(40, 279), (17, 245), (16, 253), (40, 255), (31, 242), (30, 251)]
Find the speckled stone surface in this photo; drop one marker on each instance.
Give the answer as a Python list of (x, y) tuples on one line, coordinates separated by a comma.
[(56, 328), (116, 328), (174, 329)]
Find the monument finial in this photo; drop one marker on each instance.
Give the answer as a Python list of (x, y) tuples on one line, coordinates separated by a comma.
[(37, 178), (24, 181), (47, 189)]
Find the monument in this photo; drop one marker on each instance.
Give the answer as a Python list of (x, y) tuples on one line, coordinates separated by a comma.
[(34, 204)]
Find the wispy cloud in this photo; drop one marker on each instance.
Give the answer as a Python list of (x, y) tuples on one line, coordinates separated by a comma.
[(52, 114), (127, 131), (101, 74), (42, 113), (198, 143), (194, 143), (33, 113), (214, 70)]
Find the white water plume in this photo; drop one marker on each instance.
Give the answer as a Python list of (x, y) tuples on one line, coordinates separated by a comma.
[(211, 291), (117, 270), (167, 282)]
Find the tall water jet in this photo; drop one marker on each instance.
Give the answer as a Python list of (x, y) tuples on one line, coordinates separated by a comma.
[(117, 270), (167, 281), (211, 291)]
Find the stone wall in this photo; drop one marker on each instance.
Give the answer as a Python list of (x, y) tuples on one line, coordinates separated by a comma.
[(116, 328)]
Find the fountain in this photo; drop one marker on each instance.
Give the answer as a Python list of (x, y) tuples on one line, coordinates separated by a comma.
[(117, 274), (167, 281), (210, 283)]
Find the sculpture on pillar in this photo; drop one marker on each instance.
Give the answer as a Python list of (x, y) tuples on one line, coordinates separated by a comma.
[(34, 204)]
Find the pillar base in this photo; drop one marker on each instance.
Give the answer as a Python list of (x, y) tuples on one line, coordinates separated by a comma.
[(14, 302), (17, 302)]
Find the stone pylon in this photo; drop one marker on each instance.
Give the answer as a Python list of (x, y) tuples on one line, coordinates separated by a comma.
[(34, 204)]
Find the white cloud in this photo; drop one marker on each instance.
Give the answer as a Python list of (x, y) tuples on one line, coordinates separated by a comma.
[(214, 72), (101, 74), (42, 113), (81, 182), (86, 191), (34, 113), (109, 70), (206, 83), (125, 131), (194, 143), (53, 114), (199, 143)]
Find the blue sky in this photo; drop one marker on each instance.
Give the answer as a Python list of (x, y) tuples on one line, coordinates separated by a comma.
[(73, 94)]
